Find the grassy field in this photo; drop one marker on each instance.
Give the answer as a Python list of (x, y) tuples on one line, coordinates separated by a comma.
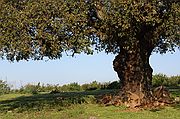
[(75, 105)]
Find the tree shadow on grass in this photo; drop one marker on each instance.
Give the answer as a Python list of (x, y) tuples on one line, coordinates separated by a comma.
[(48, 101)]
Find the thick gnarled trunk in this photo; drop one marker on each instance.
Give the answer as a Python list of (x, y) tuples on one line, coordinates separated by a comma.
[(135, 73)]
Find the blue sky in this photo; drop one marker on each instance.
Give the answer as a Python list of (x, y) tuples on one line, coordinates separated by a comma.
[(81, 69)]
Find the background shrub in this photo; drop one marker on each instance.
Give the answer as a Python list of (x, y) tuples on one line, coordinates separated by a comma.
[(114, 85), (157, 80), (4, 88), (162, 79), (30, 88)]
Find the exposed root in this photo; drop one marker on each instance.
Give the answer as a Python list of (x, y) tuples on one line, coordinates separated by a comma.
[(160, 97)]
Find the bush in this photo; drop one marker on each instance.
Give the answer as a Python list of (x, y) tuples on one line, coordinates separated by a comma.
[(93, 86), (74, 87), (162, 79), (159, 79), (174, 81), (114, 85), (4, 88), (29, 88), (85, 86)]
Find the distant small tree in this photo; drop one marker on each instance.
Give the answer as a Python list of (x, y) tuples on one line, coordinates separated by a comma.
[(4, 87)]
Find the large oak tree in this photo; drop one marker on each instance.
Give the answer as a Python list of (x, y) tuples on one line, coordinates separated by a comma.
[(132, 29)]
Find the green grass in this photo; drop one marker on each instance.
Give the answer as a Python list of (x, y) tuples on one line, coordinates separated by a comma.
[(75, 105), (84, 111)]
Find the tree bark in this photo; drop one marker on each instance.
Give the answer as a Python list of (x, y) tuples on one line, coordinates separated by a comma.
[(135, 73)]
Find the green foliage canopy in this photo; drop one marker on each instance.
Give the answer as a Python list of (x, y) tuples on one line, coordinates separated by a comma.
[(34, 29)]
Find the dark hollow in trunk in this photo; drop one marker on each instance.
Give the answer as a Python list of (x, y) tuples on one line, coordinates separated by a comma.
[(135, 73)]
